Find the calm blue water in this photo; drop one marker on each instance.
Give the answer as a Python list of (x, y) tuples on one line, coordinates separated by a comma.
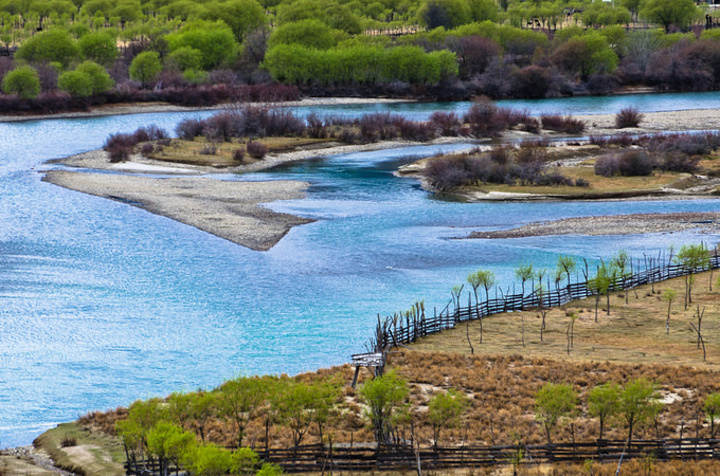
[(102, 303)]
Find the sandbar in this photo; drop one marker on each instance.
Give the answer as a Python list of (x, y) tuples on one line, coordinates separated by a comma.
[(612, 225), (228, 209)]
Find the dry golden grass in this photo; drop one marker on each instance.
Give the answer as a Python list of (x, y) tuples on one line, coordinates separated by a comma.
[(503, 378), (632, 333), (191, 152), (599, 186)]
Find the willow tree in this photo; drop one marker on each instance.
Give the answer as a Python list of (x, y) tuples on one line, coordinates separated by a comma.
[(692, 258), (486, 279)]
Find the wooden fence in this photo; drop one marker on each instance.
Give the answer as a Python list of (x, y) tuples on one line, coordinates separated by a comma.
[(367, 457), (405, 328)]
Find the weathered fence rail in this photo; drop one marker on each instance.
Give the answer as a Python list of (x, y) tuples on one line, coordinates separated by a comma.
[(320, 458), (400, 329)]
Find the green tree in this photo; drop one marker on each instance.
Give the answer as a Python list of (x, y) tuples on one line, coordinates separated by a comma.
[(240, 400), (486, 279), (23, 81), (145, 67), (445, 410), (667, 13), (186, 58), (552, 403), (638, 403), (444, 13), (483, 10), (621, 262), (383, 395), (208, 460), (98, 46), (244, 461), (711, 407), (330, 12), (633, 7), (100, 80), (566, 264), (302, 403), (603, 403), (586, 55), (179, 406), (53, 45), (203, 407), (143, 416), (169, 442), (524, 272), (215, 40), (242, 16), (75, 83), (311, 33), (600, 284), (692, 258)]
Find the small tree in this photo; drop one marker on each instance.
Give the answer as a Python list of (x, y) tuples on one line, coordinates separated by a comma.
[(621, 262), (638, 404), (146, 67), (486, 279), (566, 264), (100, 80), (445, 410), (240, 399), (552, 403), (712, 410), (202, 408), (603, 403), (301, 404), (600, 285), (524, 273), (23, 81), (169, 443), (75, 83), (669, 295), (692, 258), (208, 460), (383, 396), (540, 291)]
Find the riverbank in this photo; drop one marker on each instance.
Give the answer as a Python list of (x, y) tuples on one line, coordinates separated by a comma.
[(612, 225), (229, 209), (147, 108)]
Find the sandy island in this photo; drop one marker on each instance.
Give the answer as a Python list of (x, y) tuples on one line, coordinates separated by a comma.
[(232, 210), (228, 209), (613, 225)]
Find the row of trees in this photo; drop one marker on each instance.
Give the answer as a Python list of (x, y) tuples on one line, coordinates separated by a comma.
[(635, 403)]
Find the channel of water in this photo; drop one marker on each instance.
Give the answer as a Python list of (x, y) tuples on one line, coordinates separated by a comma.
[(102, 303)]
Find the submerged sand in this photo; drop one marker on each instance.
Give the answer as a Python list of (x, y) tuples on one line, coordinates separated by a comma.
[(613, 225), (233, 210), (230, 210)]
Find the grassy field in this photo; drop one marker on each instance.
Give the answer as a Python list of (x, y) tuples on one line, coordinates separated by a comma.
[(221, 154), (631, 333), (577, 162)]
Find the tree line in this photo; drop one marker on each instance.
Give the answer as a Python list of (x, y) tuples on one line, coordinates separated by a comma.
[(460, 48)]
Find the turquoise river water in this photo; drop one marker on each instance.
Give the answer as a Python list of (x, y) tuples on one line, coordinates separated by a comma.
[(102, 303)]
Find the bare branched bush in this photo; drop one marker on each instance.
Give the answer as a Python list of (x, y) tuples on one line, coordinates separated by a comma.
[(256, 150), (628, 117)]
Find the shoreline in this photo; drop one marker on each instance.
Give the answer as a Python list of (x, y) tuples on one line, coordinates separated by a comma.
[(228, 209), (606, 225), (160, 107)]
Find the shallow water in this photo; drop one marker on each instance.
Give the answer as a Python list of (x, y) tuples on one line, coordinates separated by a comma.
[(102, 303)]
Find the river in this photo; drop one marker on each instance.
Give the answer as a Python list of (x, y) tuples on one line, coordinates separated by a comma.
[(102, 303)]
